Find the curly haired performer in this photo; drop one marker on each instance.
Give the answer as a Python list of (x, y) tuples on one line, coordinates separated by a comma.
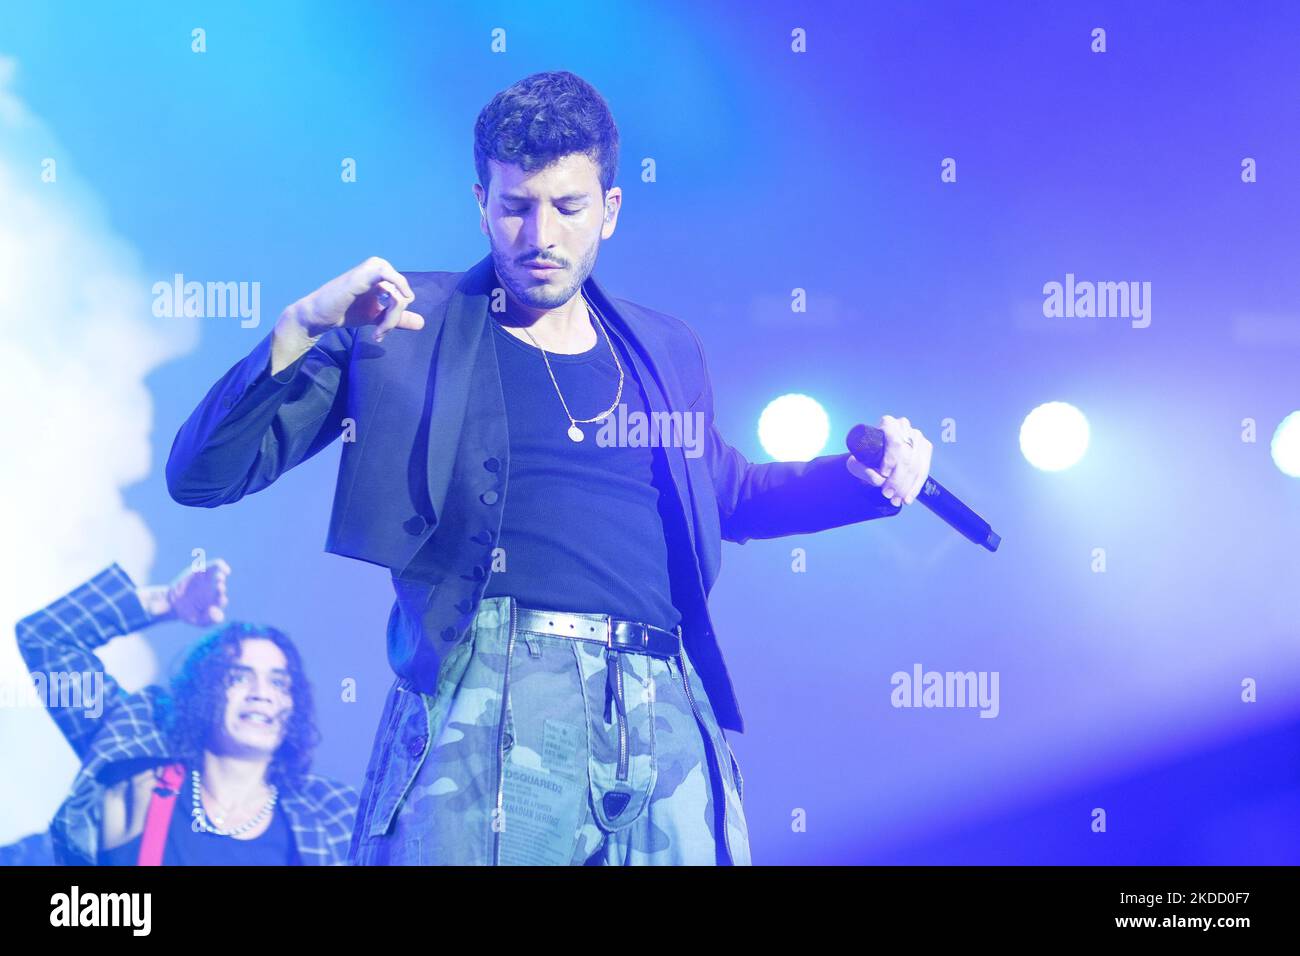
[(214, 772), (560, 693)]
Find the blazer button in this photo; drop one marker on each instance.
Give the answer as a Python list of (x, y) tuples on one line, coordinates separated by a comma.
[(492, 464), (483, 537), (416, 745), (415, 525), (489, 497), (464, 606), (477, 574), (448, 633)]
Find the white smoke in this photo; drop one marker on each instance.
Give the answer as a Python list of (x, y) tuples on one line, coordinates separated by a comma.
[(77, 339)]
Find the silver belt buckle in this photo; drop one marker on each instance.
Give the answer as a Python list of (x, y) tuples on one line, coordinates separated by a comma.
[(645, 637), (609, 632)]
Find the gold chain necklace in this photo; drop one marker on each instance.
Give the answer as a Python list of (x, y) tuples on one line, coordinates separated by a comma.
[(575, 433)]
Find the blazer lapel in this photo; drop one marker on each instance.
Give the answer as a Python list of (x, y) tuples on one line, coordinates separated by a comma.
[(462, 330), (659, 382)]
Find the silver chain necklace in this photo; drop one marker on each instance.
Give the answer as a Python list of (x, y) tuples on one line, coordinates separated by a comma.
[(575, 433), (201, 818)]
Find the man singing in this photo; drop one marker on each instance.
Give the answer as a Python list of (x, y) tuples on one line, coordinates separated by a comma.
[(560, 694)]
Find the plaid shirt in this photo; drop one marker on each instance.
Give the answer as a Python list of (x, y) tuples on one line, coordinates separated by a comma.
[(124, 737)]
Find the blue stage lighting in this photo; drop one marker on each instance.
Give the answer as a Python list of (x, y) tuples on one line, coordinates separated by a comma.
[(1054, 436), (793, 428), (1286, 446)]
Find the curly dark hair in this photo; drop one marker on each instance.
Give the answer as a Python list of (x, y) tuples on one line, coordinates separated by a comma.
[(197, 702), (542, 118)]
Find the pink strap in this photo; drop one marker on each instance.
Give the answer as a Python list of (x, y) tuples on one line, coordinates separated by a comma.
[(158, 817)]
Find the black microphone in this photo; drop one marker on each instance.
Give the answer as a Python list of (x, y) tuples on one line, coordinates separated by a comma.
[(867, 445)]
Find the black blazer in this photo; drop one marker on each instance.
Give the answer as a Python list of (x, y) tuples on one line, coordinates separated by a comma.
[(426, 455)]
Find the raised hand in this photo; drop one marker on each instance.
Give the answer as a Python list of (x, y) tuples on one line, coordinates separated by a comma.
[(372, 293), (197, 597)]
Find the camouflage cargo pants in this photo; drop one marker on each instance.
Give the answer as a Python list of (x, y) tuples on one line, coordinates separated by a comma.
[(537, 749)]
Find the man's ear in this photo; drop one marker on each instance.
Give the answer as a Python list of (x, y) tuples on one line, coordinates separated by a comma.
[(482, 212)]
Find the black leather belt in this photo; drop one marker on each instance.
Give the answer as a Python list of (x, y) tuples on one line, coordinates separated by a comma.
[(605, 629)]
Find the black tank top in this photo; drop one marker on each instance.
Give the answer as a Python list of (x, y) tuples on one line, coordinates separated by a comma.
[(583, 526), (185, 847)]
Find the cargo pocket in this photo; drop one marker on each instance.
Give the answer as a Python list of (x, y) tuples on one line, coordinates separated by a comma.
[(620, 733), (404, 742)]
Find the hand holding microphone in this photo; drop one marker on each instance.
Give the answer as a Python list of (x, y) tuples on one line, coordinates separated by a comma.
[(896, 458), (904, 462)]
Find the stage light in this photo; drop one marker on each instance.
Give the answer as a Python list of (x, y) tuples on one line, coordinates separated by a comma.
[(1054, 436), (793, 428), (1286, 446)]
